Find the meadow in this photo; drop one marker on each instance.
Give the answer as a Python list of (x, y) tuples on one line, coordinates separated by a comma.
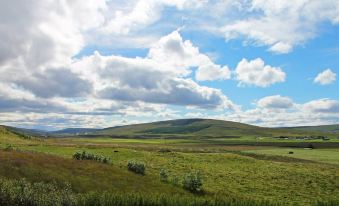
[(233, 172)]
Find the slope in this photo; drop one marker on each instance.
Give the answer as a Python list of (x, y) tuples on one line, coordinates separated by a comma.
[(84, 176), (187, 127)]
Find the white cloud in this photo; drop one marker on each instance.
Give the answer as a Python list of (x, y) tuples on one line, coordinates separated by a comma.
[(131, 17), (173, 50), (280, 24), (325, 77), (278, 111), (147, 80), (256, 73), (275, 102), (210, 72), (322, 106)]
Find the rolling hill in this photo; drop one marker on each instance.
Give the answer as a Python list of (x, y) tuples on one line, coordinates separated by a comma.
[(201, 128), (321, 128), (185, 128)]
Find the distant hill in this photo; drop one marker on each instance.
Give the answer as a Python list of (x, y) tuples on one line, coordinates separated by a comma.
[(321, 128), (187, 128), (74, 131)]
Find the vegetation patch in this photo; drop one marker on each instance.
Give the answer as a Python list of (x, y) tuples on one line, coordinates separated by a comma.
[(136, 167), (193, 182), (89, 156)]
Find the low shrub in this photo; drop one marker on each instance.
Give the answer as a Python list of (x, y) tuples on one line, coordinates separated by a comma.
[(88, 156), (193, 182), (136, 167), (163, 175)]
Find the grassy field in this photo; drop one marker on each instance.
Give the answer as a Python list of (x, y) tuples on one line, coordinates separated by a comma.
[(319, 155), (229, 171)]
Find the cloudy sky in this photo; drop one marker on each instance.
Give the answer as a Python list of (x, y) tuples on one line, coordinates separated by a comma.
[(97, 63)]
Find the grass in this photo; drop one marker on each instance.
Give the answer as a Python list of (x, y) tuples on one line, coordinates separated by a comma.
[(320, 155), (226, 173), (22, 192), (248, 173)]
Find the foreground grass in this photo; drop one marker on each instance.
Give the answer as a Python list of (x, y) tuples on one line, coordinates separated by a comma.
[(84, 176), (22, 192), (223, 173)]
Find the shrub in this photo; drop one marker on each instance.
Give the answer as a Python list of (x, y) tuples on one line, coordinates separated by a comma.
[(192, 181), (163, 175), (88, 156), (136, 167)]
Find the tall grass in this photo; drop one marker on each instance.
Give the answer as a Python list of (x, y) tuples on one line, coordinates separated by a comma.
[(23, 193)]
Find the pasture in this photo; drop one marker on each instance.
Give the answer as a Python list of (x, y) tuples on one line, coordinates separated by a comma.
[(228, 171)]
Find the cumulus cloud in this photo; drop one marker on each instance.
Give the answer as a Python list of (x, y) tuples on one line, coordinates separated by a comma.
[(275, 102), (281, 25), (38, 59), (279, 111), (38, 44), (147, 80), (325, 77), (256, 73), (322, 106), (182, 54)]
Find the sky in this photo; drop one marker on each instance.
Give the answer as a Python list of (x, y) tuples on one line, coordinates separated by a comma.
[(102, 63)]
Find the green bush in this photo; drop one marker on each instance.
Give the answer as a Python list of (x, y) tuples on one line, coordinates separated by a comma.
[(163, 175), (193, 182), (88, 156), (136, 167)]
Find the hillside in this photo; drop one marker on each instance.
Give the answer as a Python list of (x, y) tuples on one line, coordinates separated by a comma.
[(186, 128), (40, 167), (321, 128), (193, 128), (10, 136), (74, 131)]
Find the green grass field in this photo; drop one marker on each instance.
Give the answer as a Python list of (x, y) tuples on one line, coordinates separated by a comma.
[(319, 155), (229, 171)]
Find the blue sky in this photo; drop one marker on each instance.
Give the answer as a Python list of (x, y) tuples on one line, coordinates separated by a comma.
[(102, 63)]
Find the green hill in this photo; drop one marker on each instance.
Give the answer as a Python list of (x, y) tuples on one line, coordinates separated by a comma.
[(322, 128), (185, 128), (191, 128), (10, 136)]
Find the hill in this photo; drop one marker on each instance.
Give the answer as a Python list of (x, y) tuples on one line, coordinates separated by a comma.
[(9, 135), (74, 131), (321, 128), (200, 128), (186, 128)]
